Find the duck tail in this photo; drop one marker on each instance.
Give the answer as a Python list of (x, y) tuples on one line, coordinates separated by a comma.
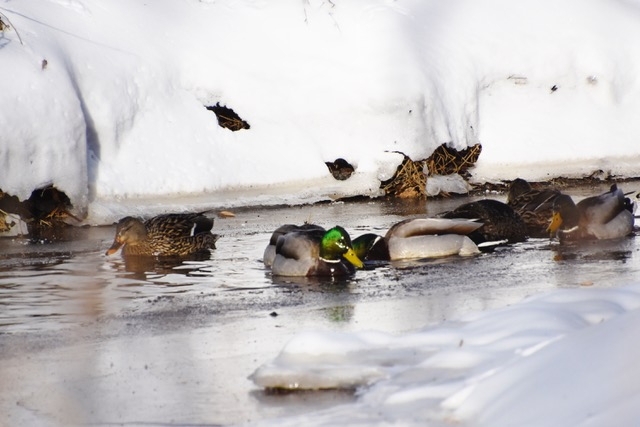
[(491, 245), (630, 199), (206, 240)]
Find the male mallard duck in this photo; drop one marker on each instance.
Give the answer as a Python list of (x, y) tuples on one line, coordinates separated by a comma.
[(535, 207), (315, 252), (499, 221), (431, 237), (270, 250), (606, 216), (371, 247), (170, 235)]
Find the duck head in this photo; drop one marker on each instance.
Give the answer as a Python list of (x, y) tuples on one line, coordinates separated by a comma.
[(336, 243), (371, 247), (129, 231), (565, 214)]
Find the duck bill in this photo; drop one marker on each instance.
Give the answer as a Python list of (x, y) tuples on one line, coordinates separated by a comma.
[(556, 222), (114, 248), (351, 256)]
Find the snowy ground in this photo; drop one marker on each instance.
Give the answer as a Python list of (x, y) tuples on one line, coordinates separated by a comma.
[(566, 358), (107, 100)]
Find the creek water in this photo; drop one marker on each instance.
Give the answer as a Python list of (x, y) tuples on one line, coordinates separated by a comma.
[(87, 339)]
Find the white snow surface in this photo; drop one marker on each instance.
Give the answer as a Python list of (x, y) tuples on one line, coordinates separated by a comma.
[(116, 116), (566, 358)]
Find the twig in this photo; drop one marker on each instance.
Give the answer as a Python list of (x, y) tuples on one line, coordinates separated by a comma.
[(12, 26)]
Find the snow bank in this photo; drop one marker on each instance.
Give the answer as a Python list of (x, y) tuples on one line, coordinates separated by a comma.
[(564, 358), (118, 112)]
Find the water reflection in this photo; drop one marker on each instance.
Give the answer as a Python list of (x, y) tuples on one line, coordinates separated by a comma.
[(594, 250), (43, 293), (289, 403), (141, 266), (412, 264), (314, 283), (340, 313), (600, 262)]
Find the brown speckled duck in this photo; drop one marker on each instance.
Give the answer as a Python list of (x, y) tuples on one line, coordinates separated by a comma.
[(169, 235), (535, 206), (499, 221)]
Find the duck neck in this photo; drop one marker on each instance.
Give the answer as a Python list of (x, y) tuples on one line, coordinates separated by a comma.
[(570, 217)]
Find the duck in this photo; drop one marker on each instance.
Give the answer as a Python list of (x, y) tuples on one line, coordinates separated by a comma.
[(371, 247), (270, 251), (431, 237), (534, 206), (315, 252), (500, 222), (167, 235), (605, 216)]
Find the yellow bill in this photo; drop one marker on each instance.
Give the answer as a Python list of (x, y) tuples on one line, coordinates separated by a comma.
[(351, 256)]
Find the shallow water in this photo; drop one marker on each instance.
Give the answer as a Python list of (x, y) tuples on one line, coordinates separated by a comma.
[(90, 339)]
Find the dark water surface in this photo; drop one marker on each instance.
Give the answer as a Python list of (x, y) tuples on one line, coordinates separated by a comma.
[(92, 340)]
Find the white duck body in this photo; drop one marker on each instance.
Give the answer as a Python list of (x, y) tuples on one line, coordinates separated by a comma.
[(431, 238)]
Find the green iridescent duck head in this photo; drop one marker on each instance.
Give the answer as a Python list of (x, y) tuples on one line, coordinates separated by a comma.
[(371, 247), (335, 244)]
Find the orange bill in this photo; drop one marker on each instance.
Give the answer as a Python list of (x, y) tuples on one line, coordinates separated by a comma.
[(556, 222), (114, 248)]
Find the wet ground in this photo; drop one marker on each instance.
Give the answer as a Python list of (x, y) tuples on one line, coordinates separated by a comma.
[(91, 340)]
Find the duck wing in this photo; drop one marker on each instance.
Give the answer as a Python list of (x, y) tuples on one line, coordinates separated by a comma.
[(603, 208), (288, 228), (177, 226), (542, 200), (432, 226), (500, 220), (300, 245), (270, 251)]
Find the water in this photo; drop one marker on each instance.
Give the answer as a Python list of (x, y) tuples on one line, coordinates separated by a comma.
[(90, 339)]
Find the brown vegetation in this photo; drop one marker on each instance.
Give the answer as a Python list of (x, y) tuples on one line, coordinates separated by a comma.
[(410, 179), (227, 118), (46, 208)]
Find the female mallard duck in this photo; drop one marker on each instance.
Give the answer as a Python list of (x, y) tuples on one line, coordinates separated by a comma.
[(535, 207), (315, 252), (169, 235), (270, 250), (499, 221), (431, 237), (606, 216)]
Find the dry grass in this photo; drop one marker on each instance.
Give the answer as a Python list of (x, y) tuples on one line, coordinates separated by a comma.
[(227, 118), (445, 160), (4, 226), (5, 24), (46, 209), (56, 218), (410, 180)]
